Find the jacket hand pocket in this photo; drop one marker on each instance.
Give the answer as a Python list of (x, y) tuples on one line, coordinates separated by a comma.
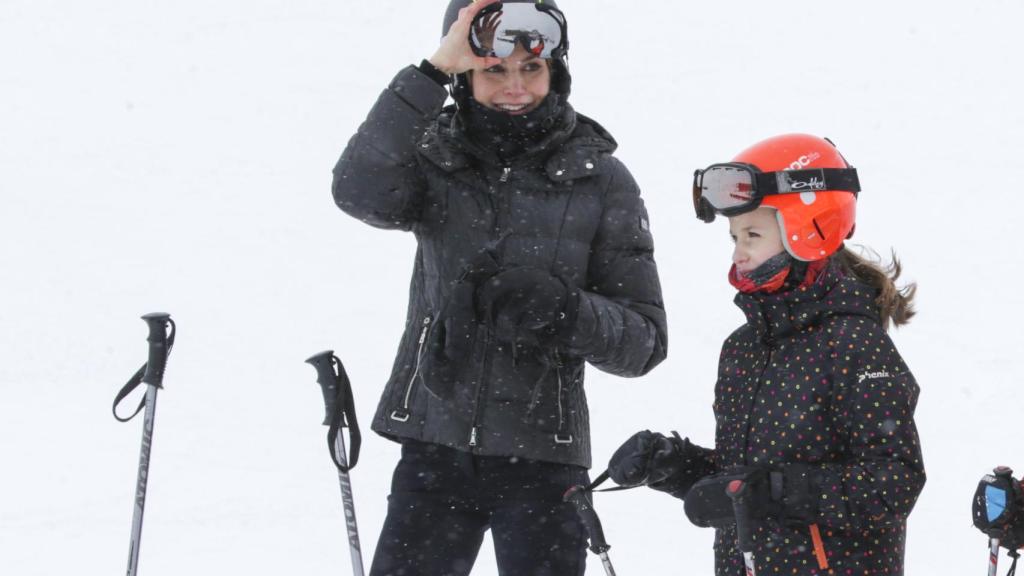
[(548, 410), (449, 347)]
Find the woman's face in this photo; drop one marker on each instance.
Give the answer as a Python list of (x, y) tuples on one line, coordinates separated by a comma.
[(517, 86), (757, 238)]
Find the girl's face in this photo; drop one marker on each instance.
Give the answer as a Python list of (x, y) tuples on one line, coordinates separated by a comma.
[(517, 85), (757, 238)]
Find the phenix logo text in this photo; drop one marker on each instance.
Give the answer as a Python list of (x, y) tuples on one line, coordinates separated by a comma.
[(871, 375)]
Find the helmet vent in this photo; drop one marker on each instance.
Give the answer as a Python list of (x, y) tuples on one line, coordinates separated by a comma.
[(818, 228)]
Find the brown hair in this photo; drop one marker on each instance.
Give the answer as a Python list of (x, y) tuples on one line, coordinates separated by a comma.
[(895, 304)]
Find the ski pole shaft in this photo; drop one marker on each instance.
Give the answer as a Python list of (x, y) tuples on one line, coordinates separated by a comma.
[(348, 501), (140, 483), (609, 570), (158, 348), (993, 556), (738, 492), (578, 496), (332, 385)]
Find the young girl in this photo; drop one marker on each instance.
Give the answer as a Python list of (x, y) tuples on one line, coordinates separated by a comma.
[(814, 407)]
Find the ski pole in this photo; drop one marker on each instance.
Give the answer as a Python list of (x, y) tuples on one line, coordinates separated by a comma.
[(578, 496), (738, 491), (993, 556), (340, 413), (151, 374)]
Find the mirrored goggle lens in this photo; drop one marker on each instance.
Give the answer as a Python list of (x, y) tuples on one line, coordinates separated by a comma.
[(727, 188), (496, 33)]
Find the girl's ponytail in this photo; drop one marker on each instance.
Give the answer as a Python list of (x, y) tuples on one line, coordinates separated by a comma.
[(895, 304)]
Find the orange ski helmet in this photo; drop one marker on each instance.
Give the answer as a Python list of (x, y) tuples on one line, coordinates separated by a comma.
[(812, 188), (813, 224)]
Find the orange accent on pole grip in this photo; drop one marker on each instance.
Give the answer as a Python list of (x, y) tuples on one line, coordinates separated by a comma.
[(819, 547)]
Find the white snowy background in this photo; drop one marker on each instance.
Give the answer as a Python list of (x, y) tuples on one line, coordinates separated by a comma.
[(176, 156)]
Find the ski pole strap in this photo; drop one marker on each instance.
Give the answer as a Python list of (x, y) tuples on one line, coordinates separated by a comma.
[(597, 482), (580, 499), (602, 478), (343, 414), (127, 389), (156, 344)]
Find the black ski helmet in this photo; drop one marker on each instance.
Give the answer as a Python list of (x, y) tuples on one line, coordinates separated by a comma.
[(561, 80)]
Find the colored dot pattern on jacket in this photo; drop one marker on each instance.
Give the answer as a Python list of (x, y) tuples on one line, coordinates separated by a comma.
[(812, 378)]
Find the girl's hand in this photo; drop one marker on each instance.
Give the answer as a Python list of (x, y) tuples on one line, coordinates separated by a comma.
[(454, 55), (647, 458)]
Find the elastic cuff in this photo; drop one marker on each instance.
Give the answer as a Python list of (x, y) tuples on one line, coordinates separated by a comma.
[(436, 75), (417, 90), (800, 493), (692, 454)]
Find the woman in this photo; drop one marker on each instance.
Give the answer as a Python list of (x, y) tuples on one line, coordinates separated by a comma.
[(534, 256), (814, 407)]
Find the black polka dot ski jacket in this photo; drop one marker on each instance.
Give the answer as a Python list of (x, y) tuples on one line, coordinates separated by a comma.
[(812, 378)]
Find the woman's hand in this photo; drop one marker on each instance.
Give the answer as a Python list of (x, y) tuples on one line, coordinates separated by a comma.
[(454, 55)]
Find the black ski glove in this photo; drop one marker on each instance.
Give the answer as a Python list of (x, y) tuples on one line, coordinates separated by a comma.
[(460, 317), (449, 340), (784, 493), (648, 458), (525, 305)]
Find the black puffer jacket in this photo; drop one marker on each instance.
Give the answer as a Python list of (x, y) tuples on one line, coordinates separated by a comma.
[(812, 378), (568, 206)]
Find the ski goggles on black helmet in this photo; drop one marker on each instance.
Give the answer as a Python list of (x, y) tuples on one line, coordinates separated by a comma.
[(537, 27), (735, 188)]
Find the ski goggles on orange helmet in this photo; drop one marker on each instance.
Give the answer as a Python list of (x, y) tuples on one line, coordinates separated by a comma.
[(735, 188), (537, 27)]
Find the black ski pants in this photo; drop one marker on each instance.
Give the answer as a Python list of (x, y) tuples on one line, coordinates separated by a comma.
[(443, 501)]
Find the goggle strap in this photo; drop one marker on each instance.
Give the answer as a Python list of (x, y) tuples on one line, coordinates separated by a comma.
[(810, 180)]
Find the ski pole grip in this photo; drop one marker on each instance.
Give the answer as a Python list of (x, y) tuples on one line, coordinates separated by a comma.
[(1003, 472), (327, 379), (577, 495), (158, 348), (738, 491)]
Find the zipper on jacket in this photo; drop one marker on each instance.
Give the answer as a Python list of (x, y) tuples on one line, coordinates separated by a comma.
[(403, 414), (496, 233), (560, 437), (558, 372), (480, 390)]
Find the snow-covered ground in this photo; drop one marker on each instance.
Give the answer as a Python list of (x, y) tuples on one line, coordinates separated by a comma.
[(176, 156)]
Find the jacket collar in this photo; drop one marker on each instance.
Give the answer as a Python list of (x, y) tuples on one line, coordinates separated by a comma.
[(577, 150), (779, 315)]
